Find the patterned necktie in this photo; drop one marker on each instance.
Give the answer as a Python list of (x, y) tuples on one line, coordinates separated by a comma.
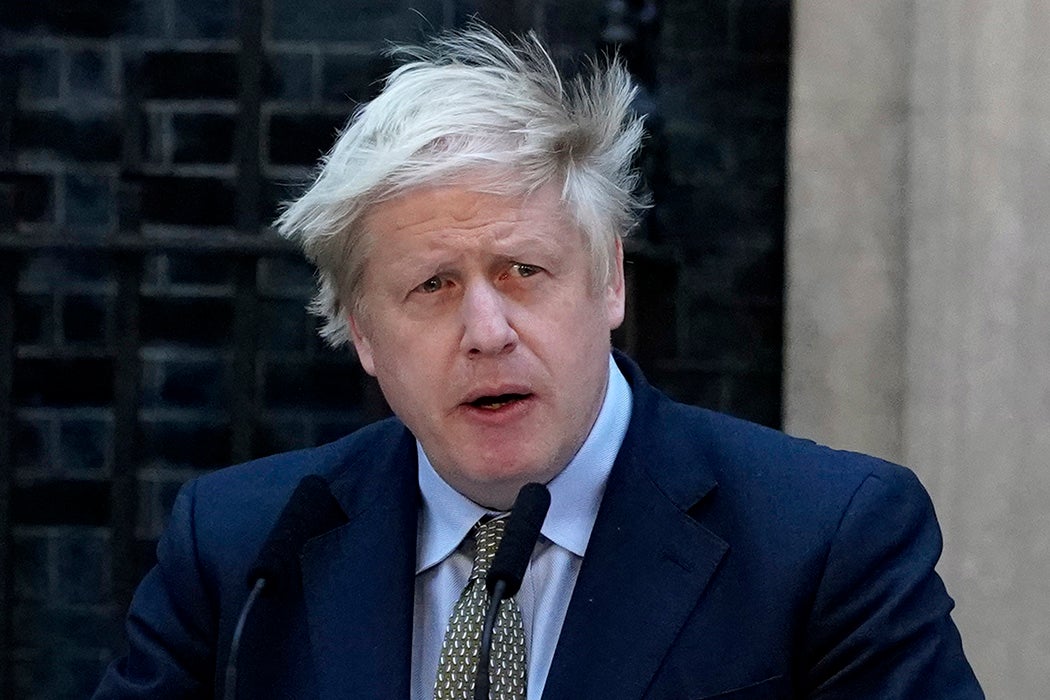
[(459, 652)]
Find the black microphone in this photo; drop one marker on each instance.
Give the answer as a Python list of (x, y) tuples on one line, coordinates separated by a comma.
[(311, 511), (508, 568)]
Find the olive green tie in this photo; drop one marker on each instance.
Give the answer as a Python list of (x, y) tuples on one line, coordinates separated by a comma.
[(459, 652)]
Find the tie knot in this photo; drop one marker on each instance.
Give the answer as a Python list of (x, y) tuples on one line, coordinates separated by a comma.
[(487, 536)]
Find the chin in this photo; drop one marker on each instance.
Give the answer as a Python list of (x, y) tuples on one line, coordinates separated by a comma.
[(500, 490)]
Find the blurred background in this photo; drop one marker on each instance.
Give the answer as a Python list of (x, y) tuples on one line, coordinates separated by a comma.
[(848, 241)]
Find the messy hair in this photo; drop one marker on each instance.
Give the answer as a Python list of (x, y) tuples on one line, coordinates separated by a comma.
[(471, 102)]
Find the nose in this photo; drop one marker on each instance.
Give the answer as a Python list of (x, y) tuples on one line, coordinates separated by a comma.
[(487, 329)]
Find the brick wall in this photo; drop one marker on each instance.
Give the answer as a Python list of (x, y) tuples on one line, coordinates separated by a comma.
[(128, 117)]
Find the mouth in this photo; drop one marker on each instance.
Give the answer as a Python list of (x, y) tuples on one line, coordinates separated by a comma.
[(497, 401)]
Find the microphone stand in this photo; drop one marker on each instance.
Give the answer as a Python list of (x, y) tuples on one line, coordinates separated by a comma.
[(508, 568), (230, 685), (482, 679), (311, 511)]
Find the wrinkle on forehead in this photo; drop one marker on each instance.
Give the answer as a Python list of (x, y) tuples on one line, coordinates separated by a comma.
[(453, 208)]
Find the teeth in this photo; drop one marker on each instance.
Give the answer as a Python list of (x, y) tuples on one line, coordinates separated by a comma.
[(495, 402)]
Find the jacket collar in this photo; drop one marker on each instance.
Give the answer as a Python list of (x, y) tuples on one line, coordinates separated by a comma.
[(648, 560), (647, 556), (358, 579)]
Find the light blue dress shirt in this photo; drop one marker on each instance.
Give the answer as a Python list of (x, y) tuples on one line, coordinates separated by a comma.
[(443, 560)]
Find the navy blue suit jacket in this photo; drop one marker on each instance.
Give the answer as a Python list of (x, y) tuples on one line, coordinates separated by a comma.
[(727, 561)]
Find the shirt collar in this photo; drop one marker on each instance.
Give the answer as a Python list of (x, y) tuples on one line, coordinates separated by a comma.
[(576, 492)]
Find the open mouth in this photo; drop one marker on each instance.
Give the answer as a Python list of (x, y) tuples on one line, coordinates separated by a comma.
[(492, 403)]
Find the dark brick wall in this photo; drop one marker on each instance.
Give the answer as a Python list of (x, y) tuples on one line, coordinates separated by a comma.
[(123, 115)]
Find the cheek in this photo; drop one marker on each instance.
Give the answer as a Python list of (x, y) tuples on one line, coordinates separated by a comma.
[(408, 354)]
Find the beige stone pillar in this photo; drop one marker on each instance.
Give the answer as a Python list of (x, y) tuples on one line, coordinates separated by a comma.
[(847, 147), (919, 285), (977, 408)]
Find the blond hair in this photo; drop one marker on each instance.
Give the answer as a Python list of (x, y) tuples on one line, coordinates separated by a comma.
[(469, 101)]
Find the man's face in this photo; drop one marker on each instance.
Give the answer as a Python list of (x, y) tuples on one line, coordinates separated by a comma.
[(487, 335)]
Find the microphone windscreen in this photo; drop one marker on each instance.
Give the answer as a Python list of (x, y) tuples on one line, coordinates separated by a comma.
[(519, 538), (311, 511)]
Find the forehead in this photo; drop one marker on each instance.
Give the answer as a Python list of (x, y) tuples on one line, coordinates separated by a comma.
[(462, 211)]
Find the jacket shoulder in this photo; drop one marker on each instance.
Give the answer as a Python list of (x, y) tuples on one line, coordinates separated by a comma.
[(759, 457), (281, 472), (229, 513)]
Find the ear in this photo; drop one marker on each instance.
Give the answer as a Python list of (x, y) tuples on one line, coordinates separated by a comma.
[(615, 292), (362, 345)]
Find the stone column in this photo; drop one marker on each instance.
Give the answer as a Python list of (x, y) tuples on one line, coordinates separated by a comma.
[(847, 143), (919, 285), (977, 406)]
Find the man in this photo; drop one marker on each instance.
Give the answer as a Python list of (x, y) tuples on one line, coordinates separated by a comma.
[(467, 231)]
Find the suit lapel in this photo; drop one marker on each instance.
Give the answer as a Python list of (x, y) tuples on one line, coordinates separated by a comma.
[(358, 580), (645, 568)]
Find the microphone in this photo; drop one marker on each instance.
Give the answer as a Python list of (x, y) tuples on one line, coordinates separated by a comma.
[(508, 568), (311, 511), (519, 539)]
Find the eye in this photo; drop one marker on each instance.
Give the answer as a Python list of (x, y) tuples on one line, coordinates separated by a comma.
[(434, 284), (524, 269)]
